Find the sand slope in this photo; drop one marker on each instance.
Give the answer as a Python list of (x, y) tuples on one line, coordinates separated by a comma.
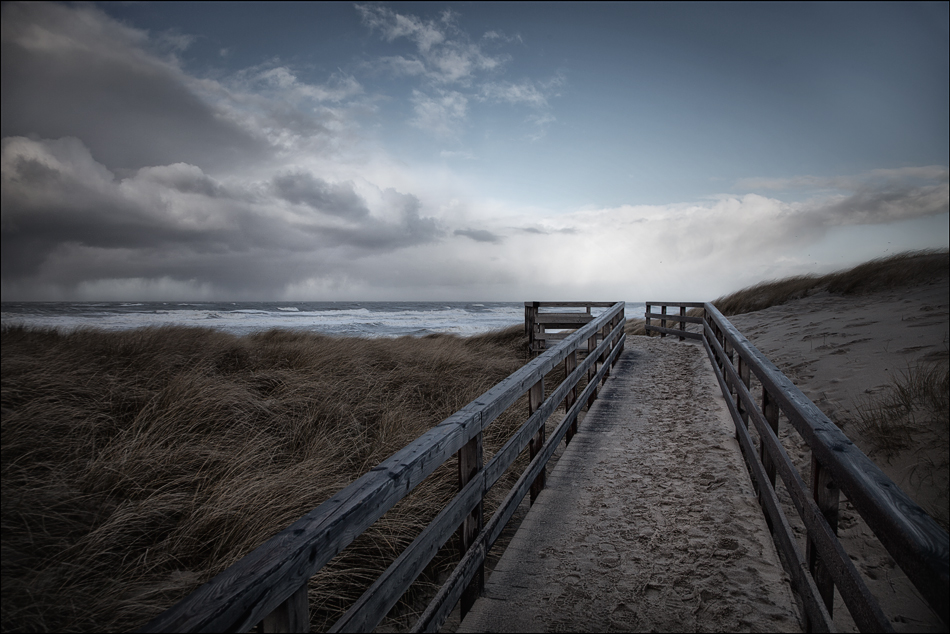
[(844, 352)]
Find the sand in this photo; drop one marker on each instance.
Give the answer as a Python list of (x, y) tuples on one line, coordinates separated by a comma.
[(648, 521), (844, 352)]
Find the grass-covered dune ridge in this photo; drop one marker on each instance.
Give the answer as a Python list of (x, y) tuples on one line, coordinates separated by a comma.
[(897, 271), (138, 464)]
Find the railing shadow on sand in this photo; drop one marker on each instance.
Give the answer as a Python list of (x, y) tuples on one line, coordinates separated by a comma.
[(916, 542), (268, 587)]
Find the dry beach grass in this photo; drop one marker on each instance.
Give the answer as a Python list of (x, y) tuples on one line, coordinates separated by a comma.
[(138, 464)]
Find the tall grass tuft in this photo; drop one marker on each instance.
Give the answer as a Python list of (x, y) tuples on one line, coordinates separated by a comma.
[(137, 465), (913, 413), (915, 402)]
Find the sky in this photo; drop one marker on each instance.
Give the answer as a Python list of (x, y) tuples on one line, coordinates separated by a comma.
[(464, 151)]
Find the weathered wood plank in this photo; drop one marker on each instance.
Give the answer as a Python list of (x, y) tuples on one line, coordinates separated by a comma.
[(570, 364), (689, 319), (678, 304), (814, 607), (552, 336), (535, 397), (861, 603), (442, 604), (376, 602), (367, 612), (673, 331), (530, 312), (913, 538), (505, 456), (550, 319), (293, 615), (244, 594), (771, 412), (572, 304), (470, 464), (827, 496)]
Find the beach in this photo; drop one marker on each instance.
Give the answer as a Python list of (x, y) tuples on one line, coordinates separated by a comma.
[(139, 463)]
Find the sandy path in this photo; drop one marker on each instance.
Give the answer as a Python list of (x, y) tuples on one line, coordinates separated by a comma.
[(648, 521)]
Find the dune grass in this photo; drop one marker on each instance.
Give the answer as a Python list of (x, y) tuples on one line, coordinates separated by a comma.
[(136, 465), (913, 415), (917, 400), (897, 271)]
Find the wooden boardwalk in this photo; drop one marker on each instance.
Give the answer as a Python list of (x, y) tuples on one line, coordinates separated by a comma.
[(648, 522)]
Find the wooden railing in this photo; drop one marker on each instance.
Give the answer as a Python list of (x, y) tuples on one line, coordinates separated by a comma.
[(269, 585), (537, 324), (916, 542)]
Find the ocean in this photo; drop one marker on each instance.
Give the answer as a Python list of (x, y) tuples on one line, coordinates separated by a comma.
[(345, 319)]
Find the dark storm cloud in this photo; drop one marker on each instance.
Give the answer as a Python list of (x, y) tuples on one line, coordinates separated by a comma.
[(73, 71), (375, 235), (479, 235), (336, 199), (67, 219)]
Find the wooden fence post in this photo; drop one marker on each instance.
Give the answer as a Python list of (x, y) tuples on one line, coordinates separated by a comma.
[(530, 317), (727, 348), (592, 371), (647, 317), (682, 322), (827, 495), (771, 412), (293, 615), (470, 463), (743, 369), (621, 316), (570, 364), (663, 321), (535, 398)]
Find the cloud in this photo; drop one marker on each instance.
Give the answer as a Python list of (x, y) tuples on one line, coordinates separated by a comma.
[(445, 53), (454, 70), (878, 178), (524, 93), (458, 154), (334, 199), (878, 205), (440, 115), (479, 235), (338, 88), (393, 25), (875, 197), (73, 71), (69, 223)]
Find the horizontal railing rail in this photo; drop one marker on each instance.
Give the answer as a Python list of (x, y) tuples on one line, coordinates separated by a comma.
[(538, 325), (682, 318), (916, 542), (269, 585)]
